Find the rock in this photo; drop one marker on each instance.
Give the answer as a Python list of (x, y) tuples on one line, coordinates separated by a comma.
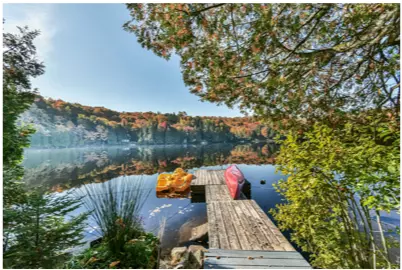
[(200, 233), (164, 263), (186, 231), (188, 258), (194, 248), (196, 257), (263, 182), (178, 254), (179, 266)]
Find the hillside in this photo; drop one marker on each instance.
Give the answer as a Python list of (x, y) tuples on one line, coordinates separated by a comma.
[(62, 124)]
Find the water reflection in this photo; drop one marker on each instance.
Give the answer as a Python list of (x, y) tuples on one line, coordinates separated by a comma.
[(79, 169), (61, 169), (65, 169)]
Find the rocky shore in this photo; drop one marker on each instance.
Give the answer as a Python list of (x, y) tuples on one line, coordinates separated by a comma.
[(194, 243)]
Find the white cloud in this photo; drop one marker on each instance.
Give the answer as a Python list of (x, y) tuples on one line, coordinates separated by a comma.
[(36, 17)]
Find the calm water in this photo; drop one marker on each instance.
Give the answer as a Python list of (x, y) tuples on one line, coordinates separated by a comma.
[(62, 170)]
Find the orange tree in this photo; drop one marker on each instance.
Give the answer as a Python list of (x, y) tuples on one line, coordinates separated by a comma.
[(327, 76)]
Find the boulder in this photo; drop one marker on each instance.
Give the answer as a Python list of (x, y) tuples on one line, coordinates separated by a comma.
[(188, 258), (200, 233), (196, 257), (189, 231), (178, 255), (193, 231)]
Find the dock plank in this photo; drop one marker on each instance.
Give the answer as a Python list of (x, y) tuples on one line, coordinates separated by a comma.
[(253, 253), (221, 228), (275, 232), (240, 229), (251, 238), (258, 262), (220, 259), (217, 193), (231, 228), (223, 266), (212, 227), (256, 229), (266, 239)]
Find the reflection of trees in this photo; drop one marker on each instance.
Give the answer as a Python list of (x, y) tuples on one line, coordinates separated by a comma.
[(252, 154), (95, 166)]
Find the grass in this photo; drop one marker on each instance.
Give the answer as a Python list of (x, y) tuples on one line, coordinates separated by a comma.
[(115, 207)]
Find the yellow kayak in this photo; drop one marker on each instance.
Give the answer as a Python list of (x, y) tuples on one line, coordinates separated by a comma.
[(178, 181)]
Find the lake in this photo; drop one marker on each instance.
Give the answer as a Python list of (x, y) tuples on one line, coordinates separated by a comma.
[(62, 170)]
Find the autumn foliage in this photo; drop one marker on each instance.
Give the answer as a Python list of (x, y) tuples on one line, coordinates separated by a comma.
[(63, 124)]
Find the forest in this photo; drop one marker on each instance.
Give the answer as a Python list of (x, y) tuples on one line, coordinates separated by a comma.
[(61, 124)]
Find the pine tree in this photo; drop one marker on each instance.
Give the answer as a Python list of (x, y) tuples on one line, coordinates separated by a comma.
[(36, 233), (42, 235), (19, 65)]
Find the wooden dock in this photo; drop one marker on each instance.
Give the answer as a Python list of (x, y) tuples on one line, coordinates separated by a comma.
[(239, 230), (255, 259)]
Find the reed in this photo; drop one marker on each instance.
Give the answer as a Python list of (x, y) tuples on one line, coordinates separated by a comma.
[(115, 207)]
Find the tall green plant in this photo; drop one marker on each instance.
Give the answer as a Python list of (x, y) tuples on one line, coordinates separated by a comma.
[(337, 180), (42, 234), (115, 207)]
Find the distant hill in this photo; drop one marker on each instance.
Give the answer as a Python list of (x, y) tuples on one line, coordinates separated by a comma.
[(62, 124)]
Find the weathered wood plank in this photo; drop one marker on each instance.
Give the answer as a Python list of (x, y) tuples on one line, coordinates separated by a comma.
[(240, 229), (255, 226), (217, 193), (268, 241), (213, 237), (242, 221), (208, 193), (246, 223), (274, 231), (221, 228), (223, 266), (213, 177), (230, 227), (253, 253), (257, 262)]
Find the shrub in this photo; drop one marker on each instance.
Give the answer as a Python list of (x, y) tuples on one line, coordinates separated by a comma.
[(140, 253)]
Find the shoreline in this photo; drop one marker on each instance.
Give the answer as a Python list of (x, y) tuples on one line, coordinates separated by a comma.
[(133, 146)]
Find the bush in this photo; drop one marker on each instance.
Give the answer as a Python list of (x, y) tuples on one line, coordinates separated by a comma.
[(140, 253)]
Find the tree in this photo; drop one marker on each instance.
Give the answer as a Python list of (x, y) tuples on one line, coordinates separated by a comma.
[(337, 180), (36, 233), (41, 235), (19, 58), (19, 65), (322, 74), (288, 63)]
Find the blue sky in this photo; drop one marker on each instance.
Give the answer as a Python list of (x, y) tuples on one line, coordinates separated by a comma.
[(91, 60)]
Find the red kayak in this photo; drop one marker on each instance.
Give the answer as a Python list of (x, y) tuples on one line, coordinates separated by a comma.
[(234, 180)]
